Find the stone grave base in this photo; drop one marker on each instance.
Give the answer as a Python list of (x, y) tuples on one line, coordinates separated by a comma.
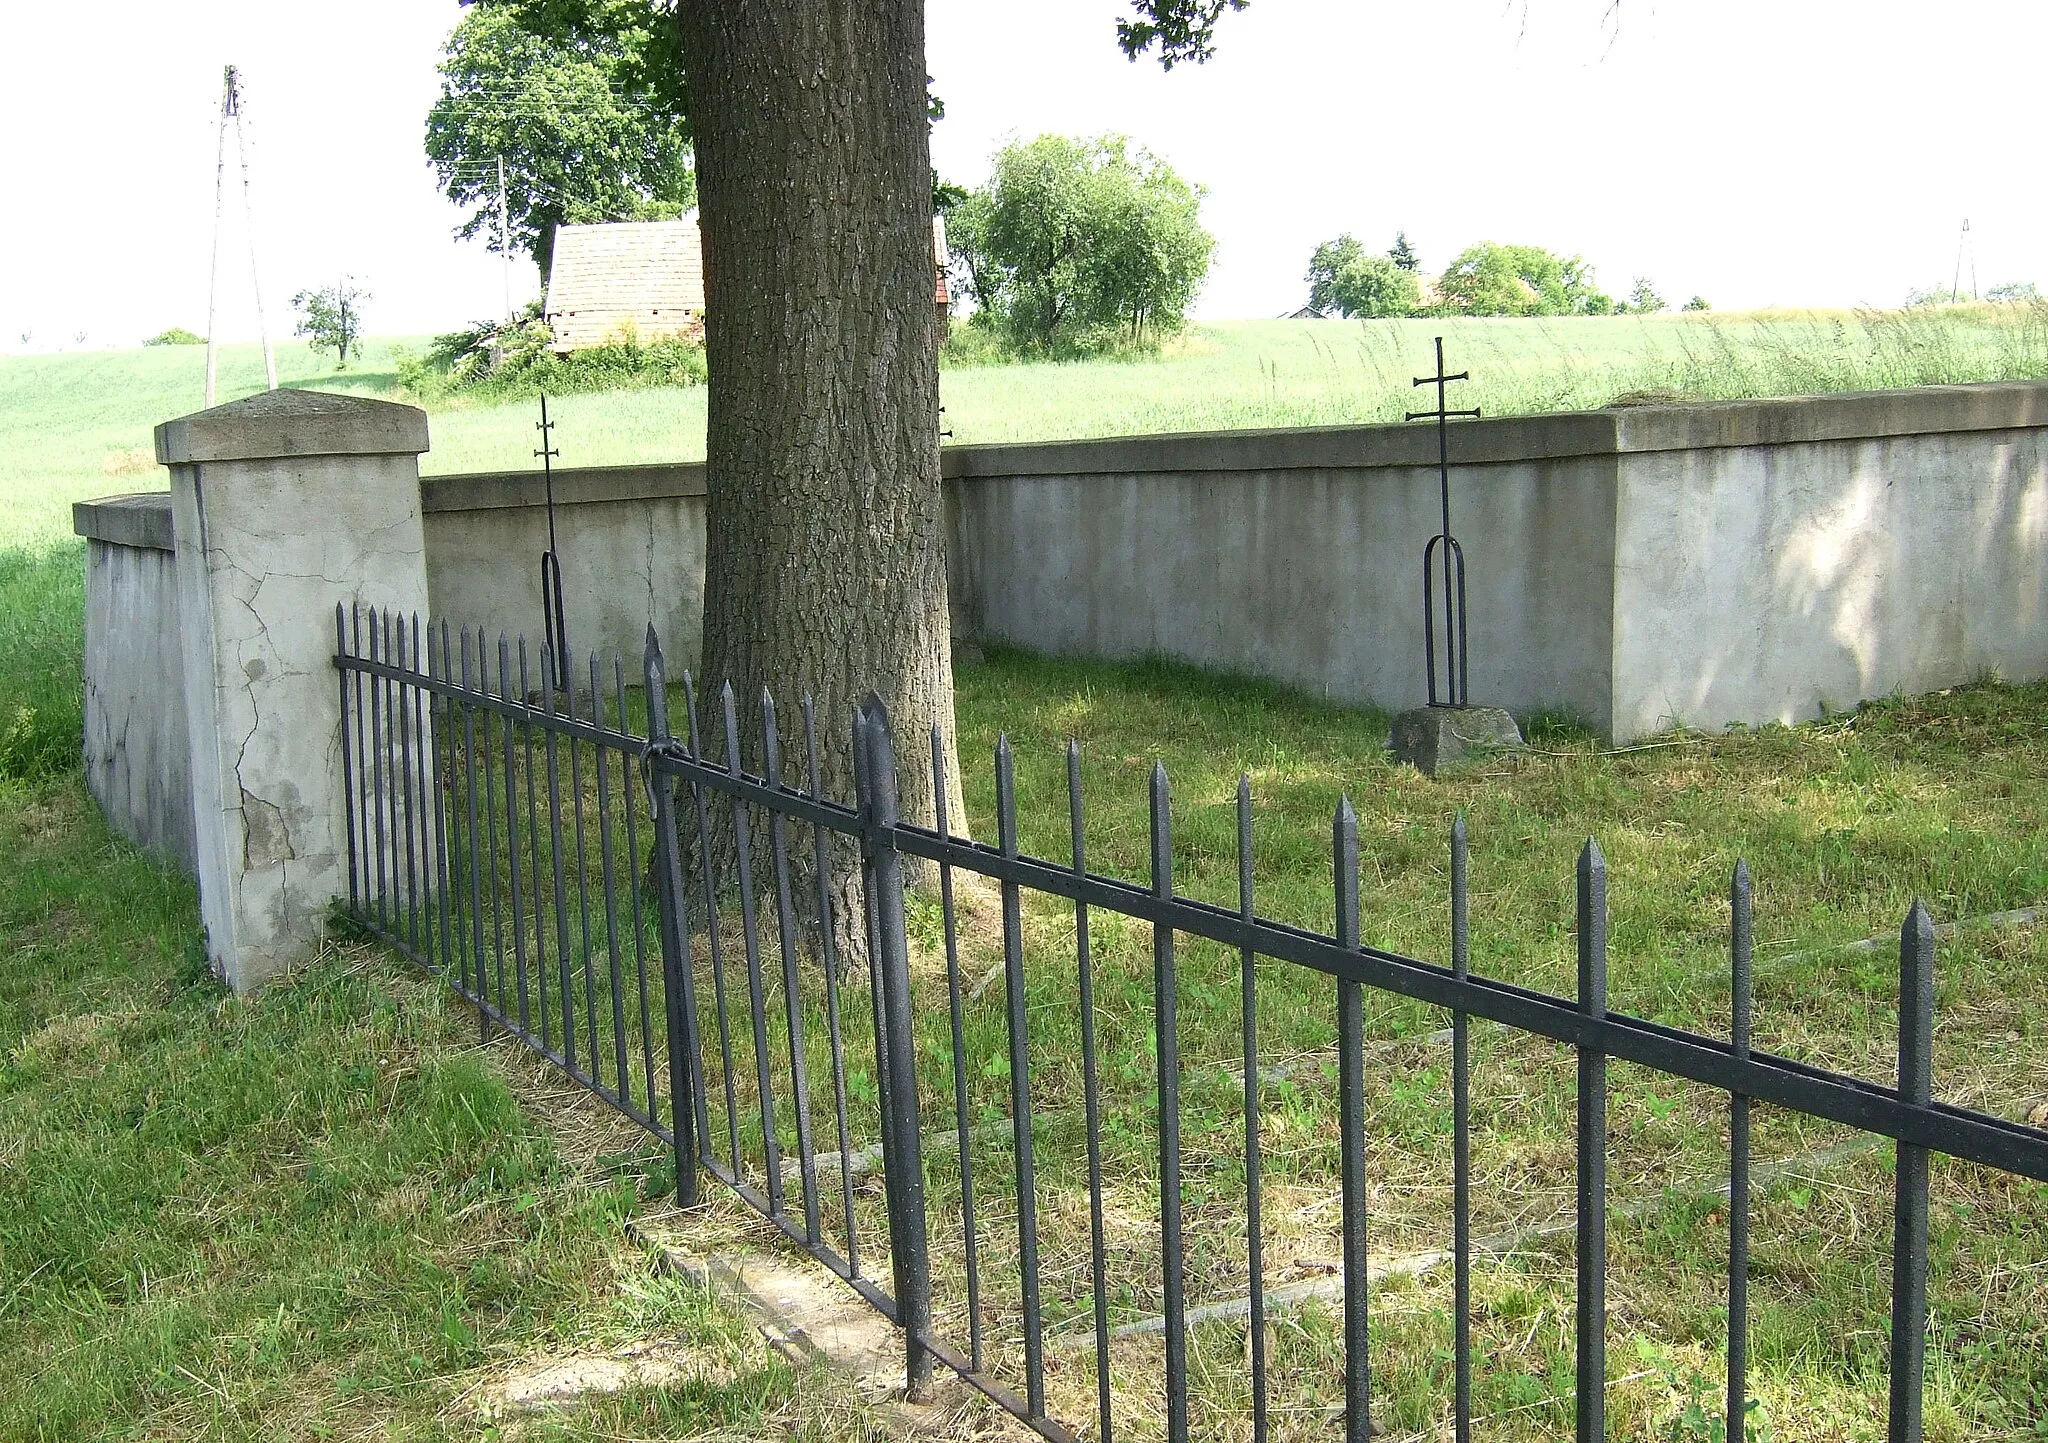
[(1434, 737)]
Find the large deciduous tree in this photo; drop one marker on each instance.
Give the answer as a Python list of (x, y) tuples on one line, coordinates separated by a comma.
[(825, 563), (568, 96), (1076, 244)]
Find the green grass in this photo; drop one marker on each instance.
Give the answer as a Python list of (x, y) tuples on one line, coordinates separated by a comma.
[(74, 426), (321, 1213), (1843, 822)]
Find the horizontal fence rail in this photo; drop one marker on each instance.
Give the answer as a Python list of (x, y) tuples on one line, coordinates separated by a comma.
[(724, 955)]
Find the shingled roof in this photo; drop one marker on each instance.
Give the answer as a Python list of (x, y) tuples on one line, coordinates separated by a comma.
[(644, 279)]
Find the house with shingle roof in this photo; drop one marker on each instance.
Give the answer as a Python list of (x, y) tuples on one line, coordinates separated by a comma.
[(644, 280)]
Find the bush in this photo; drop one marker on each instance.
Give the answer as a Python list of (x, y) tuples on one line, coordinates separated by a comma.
[(495, 361), (175, 336)]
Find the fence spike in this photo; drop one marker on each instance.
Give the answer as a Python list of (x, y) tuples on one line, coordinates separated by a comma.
[(1909, 1228), (1351, 1133), (1590, 1403), (1166, 1017), (1461, 1140), (1740, 939)]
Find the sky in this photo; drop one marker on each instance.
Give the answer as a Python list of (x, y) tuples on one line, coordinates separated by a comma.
[(1756, 152)]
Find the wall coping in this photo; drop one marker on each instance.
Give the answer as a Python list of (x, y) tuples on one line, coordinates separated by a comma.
[(1619, 430), (141, 520), (574, 486), (293, 422)]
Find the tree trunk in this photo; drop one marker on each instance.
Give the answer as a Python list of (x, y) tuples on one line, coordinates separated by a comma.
[(825, 570)]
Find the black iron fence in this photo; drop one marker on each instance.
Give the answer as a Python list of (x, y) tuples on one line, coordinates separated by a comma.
[(660, 923)]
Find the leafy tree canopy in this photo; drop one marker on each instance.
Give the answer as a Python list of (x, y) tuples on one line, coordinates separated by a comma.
[(176, 336), (331, 318), (1505, 280), (581, 99), (1178, 29), (1077, 244), (1403, 254), (1643, 297), (1343, 278), (1697, 303)]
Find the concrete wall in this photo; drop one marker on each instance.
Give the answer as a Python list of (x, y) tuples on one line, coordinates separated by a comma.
[(1756, 583), (631, 544), (1701, 564), (1296, 566), (137, 752)]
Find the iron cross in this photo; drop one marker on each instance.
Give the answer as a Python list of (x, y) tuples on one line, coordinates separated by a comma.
[(1444, 549)]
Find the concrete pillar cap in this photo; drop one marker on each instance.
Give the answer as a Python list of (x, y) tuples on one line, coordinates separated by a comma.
[(293, 423)]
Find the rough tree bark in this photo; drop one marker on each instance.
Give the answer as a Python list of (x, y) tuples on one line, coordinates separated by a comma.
[(825, 569)]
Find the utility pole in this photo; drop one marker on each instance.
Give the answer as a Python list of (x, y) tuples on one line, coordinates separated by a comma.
[(231, 109), (1955, 285), (505, 238)]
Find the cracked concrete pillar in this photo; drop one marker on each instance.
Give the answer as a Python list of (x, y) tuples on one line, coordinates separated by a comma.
[(282, 504)]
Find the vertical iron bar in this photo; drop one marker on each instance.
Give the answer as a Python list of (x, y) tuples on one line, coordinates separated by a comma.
[(1248, 981), (1351, 1134), (969, 1235), (1909, 1227), (348, 773), (476, 880), (688, 1118), (750, 936), (483, 687), (582, 884), (1591, 1401), (1740, 935), (444, 803), (506, 730), (633, 893), (1166, 1023), (1461, 1137), (620, 1066), (540, 928), (429, 813), (1091, 1098), (564, 975), (792, 992), (362, 750), (707, 871), (402, 777), (377, 769), (827, 949), (907, 1243), (458, 848), (1019, 1025)]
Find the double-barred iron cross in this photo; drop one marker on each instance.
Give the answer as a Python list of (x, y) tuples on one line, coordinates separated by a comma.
[(554, 627), (1445, 552)]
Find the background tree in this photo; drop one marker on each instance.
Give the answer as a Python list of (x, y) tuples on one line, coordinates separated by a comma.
[(1643, 297), (1697, 303), (1504, 280), (1343, 278), (331, 318), (1403, 254), (575, 110), (1075, 244)]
